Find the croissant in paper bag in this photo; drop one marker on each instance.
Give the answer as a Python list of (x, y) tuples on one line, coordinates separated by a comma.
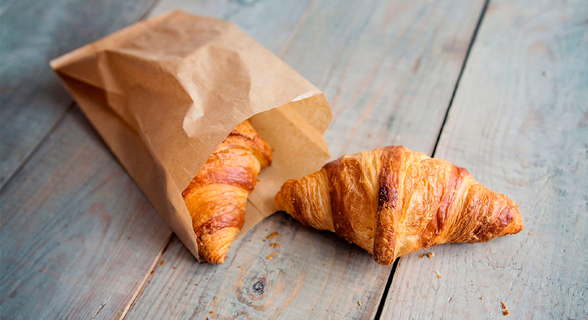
[(393, 201), (217, 196)]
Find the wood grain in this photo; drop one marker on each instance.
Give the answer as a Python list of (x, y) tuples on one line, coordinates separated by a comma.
[(271, 23), (519, 124), (32, 100), (387, 67), (296, 283), (78, 236)]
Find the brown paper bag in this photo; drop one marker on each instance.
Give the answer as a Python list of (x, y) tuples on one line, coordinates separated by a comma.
[(165, 92)]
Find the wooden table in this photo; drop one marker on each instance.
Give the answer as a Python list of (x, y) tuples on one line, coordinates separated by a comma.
[(498, 87)]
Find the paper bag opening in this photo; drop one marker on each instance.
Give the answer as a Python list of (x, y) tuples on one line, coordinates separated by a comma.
[(165, 92)]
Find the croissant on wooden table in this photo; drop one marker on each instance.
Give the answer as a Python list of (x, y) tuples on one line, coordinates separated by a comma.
[(217, 195), (393, 201)]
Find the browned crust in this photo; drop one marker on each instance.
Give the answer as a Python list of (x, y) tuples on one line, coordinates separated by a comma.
[(217, 195), (385, 246), (337, 192), (233, 219), (413, 202), (441, 219), (245, 135), (221, 173)]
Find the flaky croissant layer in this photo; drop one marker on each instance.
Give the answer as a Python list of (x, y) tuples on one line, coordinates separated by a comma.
[(393, 201), (217, 195)]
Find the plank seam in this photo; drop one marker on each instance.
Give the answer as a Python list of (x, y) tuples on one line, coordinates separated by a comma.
[(34, 150), (30, 154), (463, 66), (149, 10), (143, 284), (386, 290), (471, 44)]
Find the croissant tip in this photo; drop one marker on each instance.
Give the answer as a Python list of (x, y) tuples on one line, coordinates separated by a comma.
[(214, 259), (517, 223), (279, 204), (219, 260)]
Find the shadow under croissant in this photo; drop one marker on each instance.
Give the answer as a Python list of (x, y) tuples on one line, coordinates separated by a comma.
[(331, 242), (250, 282), (308, 265)]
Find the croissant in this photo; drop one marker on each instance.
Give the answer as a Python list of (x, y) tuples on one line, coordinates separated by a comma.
[(217, 196), (393, 201)]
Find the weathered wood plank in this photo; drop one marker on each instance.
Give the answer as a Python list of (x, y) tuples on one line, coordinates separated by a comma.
[(78, 236), (519, 124), (387, 67), (32, 100), (271, 23), (294, 284), (75, 260)]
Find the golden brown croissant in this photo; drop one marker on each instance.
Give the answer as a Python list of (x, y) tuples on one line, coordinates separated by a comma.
[(393, 201), (217, 196)]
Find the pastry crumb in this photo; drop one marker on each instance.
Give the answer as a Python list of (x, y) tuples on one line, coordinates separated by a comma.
[(187, 279), (289, 300), (438, 275), (162, 262), (430, 255), (359, 303), (504, 311), (421, 255), (369, 135), (271, 256), (530, 232), (272, 235), (480, 298), (310, 247), (274, 245), (211, 312)]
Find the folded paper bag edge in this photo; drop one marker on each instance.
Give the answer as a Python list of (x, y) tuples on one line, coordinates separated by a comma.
[(162, 188)]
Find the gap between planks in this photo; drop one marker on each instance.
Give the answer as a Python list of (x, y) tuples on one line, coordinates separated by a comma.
[(148, 275), (151, 270), (71, 106), (465, 60), (302, 19), (146, 278)]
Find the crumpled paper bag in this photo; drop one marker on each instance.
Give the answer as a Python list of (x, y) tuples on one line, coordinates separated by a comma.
[(165, 92)]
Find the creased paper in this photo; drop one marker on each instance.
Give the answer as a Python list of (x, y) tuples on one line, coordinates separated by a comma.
[(165, 92)]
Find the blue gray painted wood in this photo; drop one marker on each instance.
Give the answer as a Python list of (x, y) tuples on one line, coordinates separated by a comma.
[(387, 67), (519, 124), (32, 100), (78, 236)]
